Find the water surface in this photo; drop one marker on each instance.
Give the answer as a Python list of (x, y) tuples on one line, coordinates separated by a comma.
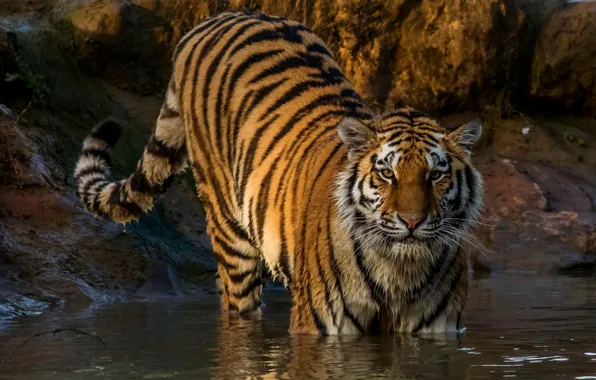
[(518, 326)]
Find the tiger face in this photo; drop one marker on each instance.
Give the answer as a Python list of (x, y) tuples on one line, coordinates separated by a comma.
[(409, 181)]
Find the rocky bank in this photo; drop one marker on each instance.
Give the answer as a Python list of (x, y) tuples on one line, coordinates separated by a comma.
[(526, 67)]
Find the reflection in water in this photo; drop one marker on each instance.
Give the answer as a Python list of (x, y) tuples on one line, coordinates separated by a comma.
[(517, 327), (250, 350)]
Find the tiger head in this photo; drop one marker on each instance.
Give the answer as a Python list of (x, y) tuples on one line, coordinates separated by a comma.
[(408, 181)]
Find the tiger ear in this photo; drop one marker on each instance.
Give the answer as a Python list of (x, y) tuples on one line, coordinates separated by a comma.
[(467, 134), (354, 133)]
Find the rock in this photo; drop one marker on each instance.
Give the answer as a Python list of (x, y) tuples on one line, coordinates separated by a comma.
[(435, 55), (7, 59), (539, 11), (53, 249), (563, 69), (509, 193), (544, 242), (537, 217)]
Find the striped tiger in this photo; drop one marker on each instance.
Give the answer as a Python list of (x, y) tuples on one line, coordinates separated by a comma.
[(361, 215)]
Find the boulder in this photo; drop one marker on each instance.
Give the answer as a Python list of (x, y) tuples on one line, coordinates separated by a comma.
[(510, 193), (52, 250), (563, 69), (543, 226), (438, 56), (546, 241)]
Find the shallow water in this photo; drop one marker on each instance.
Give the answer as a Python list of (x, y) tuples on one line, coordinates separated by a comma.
[(518, 326)]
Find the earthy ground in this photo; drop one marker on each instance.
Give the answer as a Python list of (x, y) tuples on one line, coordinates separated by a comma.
[(64, 65)]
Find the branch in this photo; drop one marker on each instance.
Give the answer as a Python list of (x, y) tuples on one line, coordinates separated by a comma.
[(53, 332)]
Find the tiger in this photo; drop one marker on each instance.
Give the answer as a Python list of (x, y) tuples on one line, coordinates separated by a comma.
[(360, 214)]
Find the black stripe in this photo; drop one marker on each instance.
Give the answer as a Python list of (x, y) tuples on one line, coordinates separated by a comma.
[(251, 151), (263, 199), (300, 153), (399, 113), (320, 326), (287, 33), (337, 275), (214, 220), (222, 260), (352, 183), (284, 265), (437, 272), (372, 284), (90, 183), (247, 64), (331, 76), (223, 85), (249, 288), (238, 278), (424, 127), (168, 113), (425, 136), (214, 65), (212, 179), (203, 26), (140, 184), (243, 109), (305, 133), (471, 184), (93, 203), (440, 307), (323, 277), (456, 202), (116, 199), (160, 149), (97, 154), (92, 169), (289, 63), (318, 48), (206, 47), (258, 97), (231, 251), (293, 93), (251, 227), (299, 115), (429, 142)]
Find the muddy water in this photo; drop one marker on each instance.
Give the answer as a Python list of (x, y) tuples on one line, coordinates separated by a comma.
[(518, 326)]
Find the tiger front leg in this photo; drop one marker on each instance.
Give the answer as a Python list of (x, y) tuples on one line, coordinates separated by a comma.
[(319, 309)]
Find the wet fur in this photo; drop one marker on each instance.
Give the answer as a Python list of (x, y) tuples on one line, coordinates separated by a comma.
[(279, 144)]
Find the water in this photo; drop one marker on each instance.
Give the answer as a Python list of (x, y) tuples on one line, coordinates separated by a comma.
[(518, 326)]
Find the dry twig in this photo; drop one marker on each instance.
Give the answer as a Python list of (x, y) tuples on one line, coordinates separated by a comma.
[(53, 332)]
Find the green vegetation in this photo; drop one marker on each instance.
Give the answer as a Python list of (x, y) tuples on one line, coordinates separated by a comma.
[(35, 82)]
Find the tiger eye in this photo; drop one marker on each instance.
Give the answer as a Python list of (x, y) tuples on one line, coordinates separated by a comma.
[(387, 173), (435, 175)]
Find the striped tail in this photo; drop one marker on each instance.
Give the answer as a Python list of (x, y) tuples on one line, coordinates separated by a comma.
[(128, 199)]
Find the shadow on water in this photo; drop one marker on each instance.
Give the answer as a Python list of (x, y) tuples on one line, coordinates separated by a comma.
[(518, 326)]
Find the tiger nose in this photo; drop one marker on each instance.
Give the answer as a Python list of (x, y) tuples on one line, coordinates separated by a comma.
[(412, 221)]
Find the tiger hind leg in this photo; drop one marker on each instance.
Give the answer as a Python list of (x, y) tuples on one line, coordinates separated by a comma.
[(239, 279)]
